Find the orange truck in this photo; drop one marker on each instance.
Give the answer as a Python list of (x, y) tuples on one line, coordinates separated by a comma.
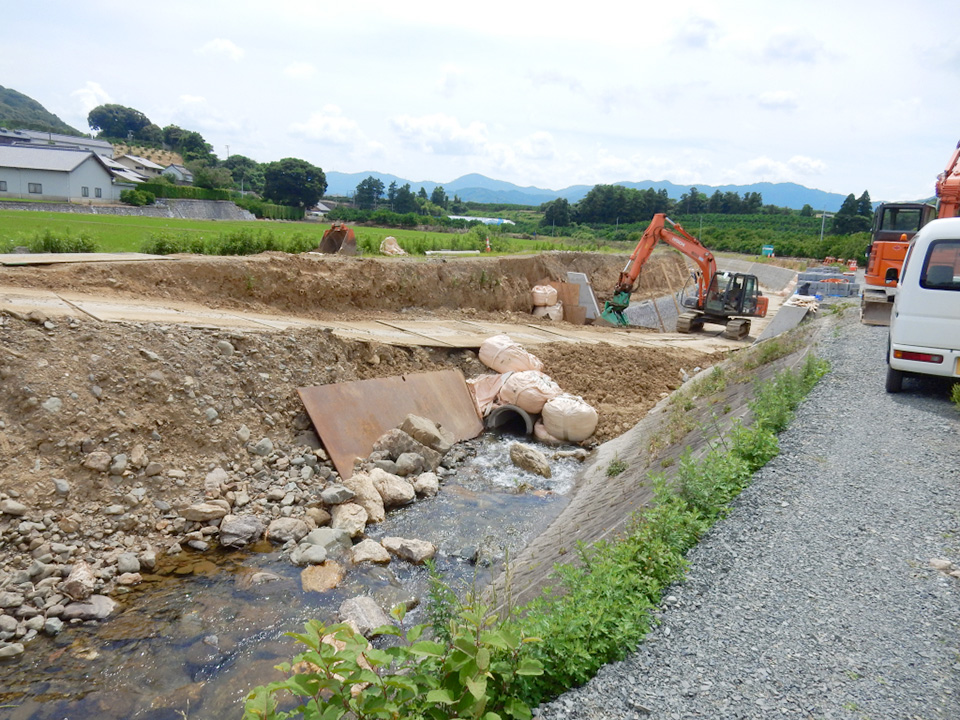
[(894, 225)]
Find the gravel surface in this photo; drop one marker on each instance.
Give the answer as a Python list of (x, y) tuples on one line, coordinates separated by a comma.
[(815, 597)]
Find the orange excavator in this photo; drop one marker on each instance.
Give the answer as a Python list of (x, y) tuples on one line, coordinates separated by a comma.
[(722, 298), (894, 224)]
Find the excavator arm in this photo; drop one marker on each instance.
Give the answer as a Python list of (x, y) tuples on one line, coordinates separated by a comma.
[(948, 187), (674, 236)]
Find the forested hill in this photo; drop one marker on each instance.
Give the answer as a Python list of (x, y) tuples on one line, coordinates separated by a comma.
[(19, 112)]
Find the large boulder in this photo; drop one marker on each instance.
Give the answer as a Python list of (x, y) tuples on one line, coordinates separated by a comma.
[(240, 530), (349, 517), (426, 484), (396, 442), (285, 529), (393, 489), (204, 512), (428, 433), (96, 607), (366, 496), (414, 551), (530, 459), (319, 578), (364, 614), (369, 551)]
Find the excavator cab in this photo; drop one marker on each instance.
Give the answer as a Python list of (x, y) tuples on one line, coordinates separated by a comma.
[(732, 294)]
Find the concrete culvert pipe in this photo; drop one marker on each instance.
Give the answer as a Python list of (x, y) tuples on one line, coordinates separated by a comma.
[(511, 419)]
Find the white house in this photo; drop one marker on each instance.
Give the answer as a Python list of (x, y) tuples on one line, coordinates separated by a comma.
[(59, 174), (180, 174), (141, 165)]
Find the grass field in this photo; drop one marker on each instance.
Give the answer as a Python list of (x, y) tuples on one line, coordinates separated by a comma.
[(120, 233)]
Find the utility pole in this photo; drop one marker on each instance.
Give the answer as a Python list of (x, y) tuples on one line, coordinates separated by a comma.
[(228, 152)]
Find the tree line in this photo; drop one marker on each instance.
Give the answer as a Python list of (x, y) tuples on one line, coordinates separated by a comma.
[(290, 181), (372, 194), (618, 205)]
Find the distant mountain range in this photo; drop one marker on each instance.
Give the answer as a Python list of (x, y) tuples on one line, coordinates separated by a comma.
[(481, 189)]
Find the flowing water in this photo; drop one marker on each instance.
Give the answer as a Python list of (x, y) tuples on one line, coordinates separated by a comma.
[(193, 639)]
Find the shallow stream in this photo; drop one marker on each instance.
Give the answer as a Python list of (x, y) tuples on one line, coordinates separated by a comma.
[(193, 639)]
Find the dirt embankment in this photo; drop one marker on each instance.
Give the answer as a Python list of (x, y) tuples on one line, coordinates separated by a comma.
[(327, 286)]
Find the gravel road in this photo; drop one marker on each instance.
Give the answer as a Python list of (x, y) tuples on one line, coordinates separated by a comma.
[(815, 597)]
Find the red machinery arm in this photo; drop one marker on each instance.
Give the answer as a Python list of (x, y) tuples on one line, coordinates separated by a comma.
[(675, 237), (948, 186)]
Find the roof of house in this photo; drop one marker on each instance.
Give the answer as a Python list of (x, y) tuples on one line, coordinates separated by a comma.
[(48, 137), (39, 157), (143, 161)]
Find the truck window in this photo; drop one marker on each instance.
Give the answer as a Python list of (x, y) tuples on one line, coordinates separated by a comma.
[(902, 219), (941, 266)]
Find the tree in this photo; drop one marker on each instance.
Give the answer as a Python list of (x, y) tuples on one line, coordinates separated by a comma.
[(150, 134), (207, 175), (806, 211), (192, 146), (556, 213), (439, 197), (172, 135), (693, 202), (715, 203), (405, 201), (392, 194), (116, 121), (865, 206), (847, 220), (458, 206), (295, 182), (423, 193), (368, 193), (247, 173)]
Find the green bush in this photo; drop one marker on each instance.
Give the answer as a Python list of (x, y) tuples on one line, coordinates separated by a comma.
[(475, 675), (47, 242), (137, 198)]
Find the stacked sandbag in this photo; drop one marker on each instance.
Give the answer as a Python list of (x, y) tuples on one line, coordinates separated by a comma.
[(529, 390), (502, 354), (485, 389), (544, 295), (568, 417), (389, 246)]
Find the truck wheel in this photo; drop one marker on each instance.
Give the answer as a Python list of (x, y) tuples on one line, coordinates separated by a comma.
[(894, 380)]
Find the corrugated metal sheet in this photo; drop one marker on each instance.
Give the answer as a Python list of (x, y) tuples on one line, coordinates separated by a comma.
[(41, 158)]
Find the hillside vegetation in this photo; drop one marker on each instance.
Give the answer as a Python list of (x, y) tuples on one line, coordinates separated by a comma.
[(19, 112)]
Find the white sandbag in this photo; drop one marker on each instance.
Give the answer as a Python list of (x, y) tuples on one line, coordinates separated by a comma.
[(484, 390), (552, 312), (502, 354), (529, 390), (389, 246), (541, 435), (570, 418), (544, 295)]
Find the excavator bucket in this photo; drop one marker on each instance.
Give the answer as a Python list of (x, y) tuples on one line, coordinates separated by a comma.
[(875, 313), (338, 240)]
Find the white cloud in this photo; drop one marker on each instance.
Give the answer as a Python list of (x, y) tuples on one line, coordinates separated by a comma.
[(778, 100), (220, 46), (90, 96), (441, 134), (330, 126), (538, 146), (192, 99), (300, 70), (790, 46), (698, 32), (451, 79), (546, 78), (767, 169)]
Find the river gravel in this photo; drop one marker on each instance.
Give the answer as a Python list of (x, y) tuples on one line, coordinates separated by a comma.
[(815, 597)]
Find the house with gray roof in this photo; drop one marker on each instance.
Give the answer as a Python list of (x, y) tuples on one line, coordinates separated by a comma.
[(141, 166), (40, 172), (35, 137), (180, 175)]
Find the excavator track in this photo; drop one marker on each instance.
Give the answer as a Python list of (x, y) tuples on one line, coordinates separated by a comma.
[(737, 329), (689, 322)]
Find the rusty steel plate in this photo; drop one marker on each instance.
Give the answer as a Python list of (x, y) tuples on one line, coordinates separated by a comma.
[(349, 417)]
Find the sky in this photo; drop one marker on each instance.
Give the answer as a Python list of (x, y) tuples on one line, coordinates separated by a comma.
[(840, 95)]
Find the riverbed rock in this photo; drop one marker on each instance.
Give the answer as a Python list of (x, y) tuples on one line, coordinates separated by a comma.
[(428, 433), (12, 507), (364, 614), (336, 494), (366, 496), (9, 650), (128, 563), (331, 539), (414, 551), (9, 599), (394, 490), (214, 481), (369, 551), (308, 555), (96, 607), (426, 484), (285, 529), (396, 442), (530, 459), (408, 464), (80, 582), (320, 578), (204, 512), (240, 530), (349, 517)]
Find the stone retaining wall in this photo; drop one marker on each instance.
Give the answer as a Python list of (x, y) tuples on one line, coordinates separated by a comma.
[(164, 208)]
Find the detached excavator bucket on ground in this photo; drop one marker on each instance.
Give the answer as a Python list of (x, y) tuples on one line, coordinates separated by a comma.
[(338, 240)]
